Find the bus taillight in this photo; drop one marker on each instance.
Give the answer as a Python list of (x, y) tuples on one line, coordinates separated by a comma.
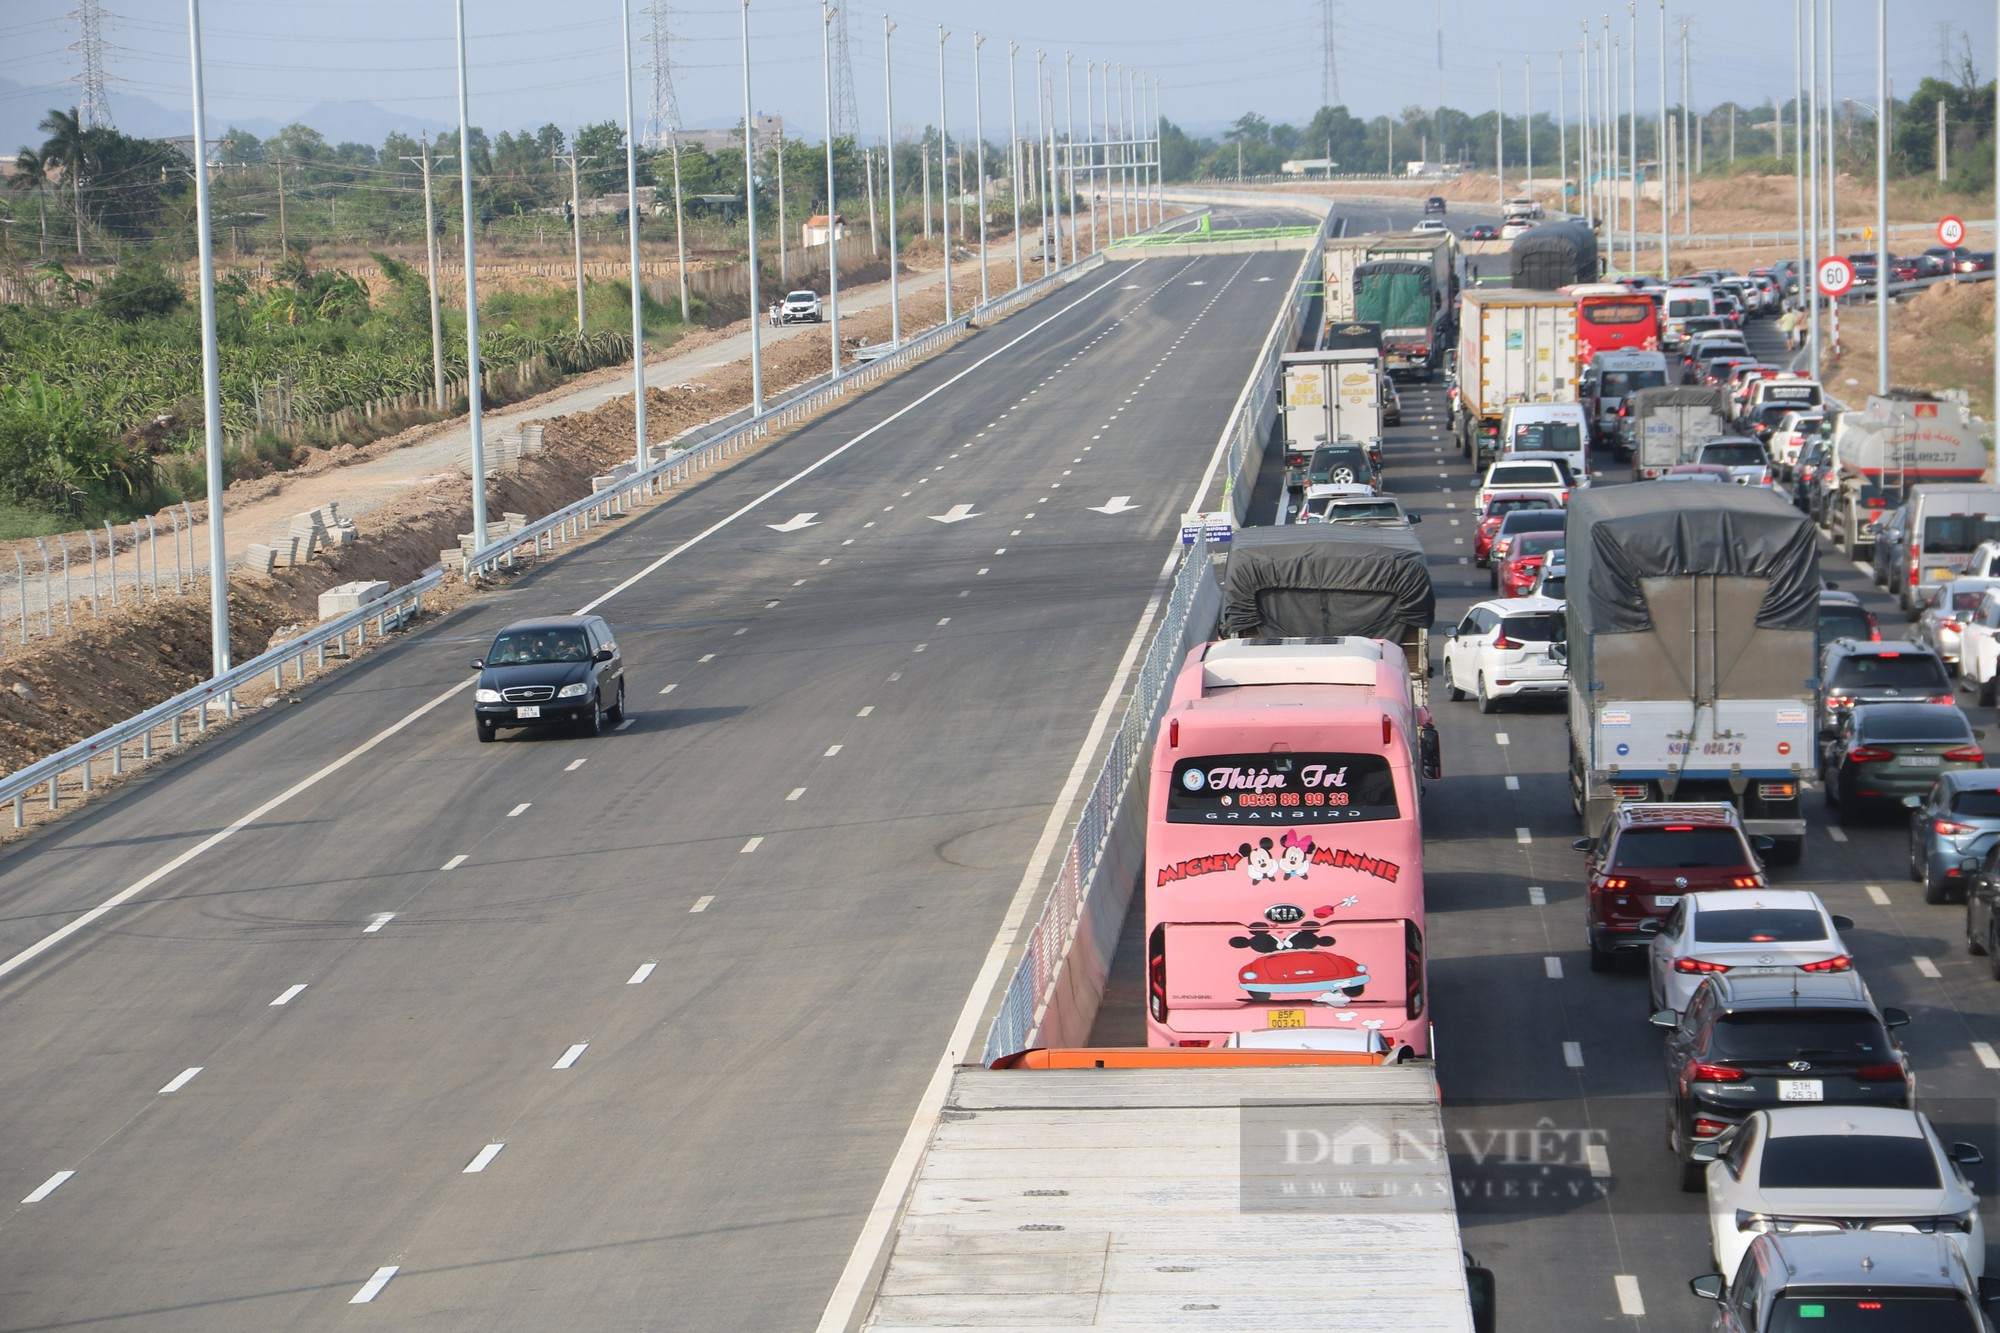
[(1413, 962), (1156, 973)]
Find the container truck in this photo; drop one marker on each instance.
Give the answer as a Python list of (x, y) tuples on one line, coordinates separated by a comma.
[(1329, 395), (1881, 452), (1553, 254), (1407, 284), (1689, 632), (1514, 346), (1667, 426)]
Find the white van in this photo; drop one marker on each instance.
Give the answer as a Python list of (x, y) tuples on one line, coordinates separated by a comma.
[(1678, 305), (1612, 375), (1549, 429)]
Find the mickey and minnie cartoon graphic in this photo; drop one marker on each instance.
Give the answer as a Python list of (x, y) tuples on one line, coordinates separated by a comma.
[(1289, 964)]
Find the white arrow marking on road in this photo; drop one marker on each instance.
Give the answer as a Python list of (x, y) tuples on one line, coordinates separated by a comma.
[(958, 514), (795, 522), (1119, 504)]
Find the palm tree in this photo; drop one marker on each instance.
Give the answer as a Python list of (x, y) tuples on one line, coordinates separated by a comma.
[(31, 173), (66, 147)]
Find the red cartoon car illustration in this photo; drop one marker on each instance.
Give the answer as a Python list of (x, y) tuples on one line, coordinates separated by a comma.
[(1291, 973)]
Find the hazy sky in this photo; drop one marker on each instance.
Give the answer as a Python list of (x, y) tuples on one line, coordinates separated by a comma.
[(535, 61)]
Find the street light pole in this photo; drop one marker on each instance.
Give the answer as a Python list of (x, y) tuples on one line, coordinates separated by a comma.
[(1811, 119), (1660, 141), (1632, 106), (1882, 197), (1042, 193), (944, 175), (474, 391), (1069, 149), (1090, 117), (211, 367), (1562, 139), (979, 133), (750, 216), (889, 148), (826, 12), (1014, 154), (632, 232)]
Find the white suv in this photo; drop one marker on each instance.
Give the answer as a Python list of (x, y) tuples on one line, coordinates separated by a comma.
[(1502, 649), (797, 308)]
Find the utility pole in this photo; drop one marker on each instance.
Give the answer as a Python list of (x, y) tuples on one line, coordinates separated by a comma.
[(1499, 137), (1687, 100), (680, 223), (1585, 188), (431, 265), (211, 366), (750, 214), (889, 143), (1632, 107), (868, 172), (1808, 280), (576, 224), (944, 175), (284, 237), (1940, 141), (1832, 158), (979, 133), (827, 15)]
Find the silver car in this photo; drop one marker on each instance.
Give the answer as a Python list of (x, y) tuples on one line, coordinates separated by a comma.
[(1957, 822), (1956, 602)]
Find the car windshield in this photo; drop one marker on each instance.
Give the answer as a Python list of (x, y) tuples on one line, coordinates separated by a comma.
[(801, 296), (1759, 925), (1891, 671), (1679, 847), (1848, 1162), (1337, 510), (1743, 454), (1536, 627), (1843, 622), (1538, 543), (1831, 1036), (1502, 507), (1967, 601), (521, 647), (1912, 722), (1525, 474), (1619, 383), (1554, 436), (1957, 534), (1533, 520), (1979, 804), (1875, 1311), (1553, 586)]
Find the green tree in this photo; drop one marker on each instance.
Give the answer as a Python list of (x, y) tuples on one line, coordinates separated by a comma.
[(64, 148), (140, 290), (605, 142), (239, 148)]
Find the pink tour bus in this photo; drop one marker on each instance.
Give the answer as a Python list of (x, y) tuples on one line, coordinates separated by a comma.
[(1284, 867)]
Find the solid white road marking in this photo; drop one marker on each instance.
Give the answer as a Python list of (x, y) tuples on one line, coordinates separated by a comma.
[(1537, 896), (1553, 966), (479, 1163), (49, 1187), (519, 810), (1987, 1055), (754, 843), (1925, 967), (768, 605), (701, 903), (571, 1056), (1001, 551), (1876, 895), (376, 923), (982, 569), (1573, 1054), (746, 628), (290, 994), (454, 863), (920, 647), (955, 514), (373, 1286), (796, 793), (1513, 783), (182, 1079), (945, 621), (1523, 837), (1629, 1301), (1837, 834), (639, 977)]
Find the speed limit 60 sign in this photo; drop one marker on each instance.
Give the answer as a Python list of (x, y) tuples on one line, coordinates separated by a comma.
[(1951, 231), (1835, 275)]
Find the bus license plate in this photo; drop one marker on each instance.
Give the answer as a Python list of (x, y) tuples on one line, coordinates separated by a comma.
[(528, 710), (1288, 1018), (1801, 1090)]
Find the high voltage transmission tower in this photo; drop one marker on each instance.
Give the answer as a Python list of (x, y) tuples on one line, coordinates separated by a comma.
[(93, 108), (663, 114), (846, 111), (1329, 89)]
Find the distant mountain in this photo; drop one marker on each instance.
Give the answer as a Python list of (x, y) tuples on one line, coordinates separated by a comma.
[(22, 107)]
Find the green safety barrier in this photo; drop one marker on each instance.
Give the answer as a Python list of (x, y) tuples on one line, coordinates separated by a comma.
[(1204, 233)]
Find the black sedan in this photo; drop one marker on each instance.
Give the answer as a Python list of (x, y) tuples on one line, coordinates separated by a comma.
[(1483, 232), (1883, 753), (562, 671)]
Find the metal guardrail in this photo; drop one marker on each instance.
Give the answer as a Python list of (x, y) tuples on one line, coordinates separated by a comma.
[(1049, 939), (389, 611)]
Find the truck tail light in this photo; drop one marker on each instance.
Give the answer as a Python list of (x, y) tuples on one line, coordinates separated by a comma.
[(1837, 963), (1869, 754), (1776, 791), (1156, 974), (1713, 1074), (1194, 1041), (1693, 966), (1966, 754), (1631, 791)]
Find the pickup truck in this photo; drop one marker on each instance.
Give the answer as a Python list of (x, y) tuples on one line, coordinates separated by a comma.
[(797, 308)]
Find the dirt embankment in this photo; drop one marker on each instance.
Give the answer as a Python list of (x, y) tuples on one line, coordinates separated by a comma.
[(1940, 338), (56, 692)]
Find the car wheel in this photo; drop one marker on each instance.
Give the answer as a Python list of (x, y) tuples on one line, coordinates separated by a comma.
[(1487, 703), (1985, 695), (593, 723), (1974, 944), (486, 730), (1993, 946), (1694, 1177), (1451, 683), (1788, 852), (1916, 869), (1936, 889), (617, 711), (1601, 960)]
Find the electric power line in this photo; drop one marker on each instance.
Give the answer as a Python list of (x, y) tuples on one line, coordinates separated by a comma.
[(1329, 56), (93, 108), (663, 116), (846, 110)]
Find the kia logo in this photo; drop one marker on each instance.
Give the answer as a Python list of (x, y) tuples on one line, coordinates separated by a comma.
[(1284, 914)]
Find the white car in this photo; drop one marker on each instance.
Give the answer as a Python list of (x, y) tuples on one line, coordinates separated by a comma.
[(1523, 473), (1744, 932), (1979, 648), (1430, 226), (1553, 579), (1794, 1170), (800, 307), (1502, 649), (1790, 436), (1351, 502), (1513, 228)]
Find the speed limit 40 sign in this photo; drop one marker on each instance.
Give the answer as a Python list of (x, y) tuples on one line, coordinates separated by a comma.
[(1951, 231), (1835, 276)]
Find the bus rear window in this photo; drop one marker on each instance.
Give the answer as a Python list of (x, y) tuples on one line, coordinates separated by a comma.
[(1306, 788), (1618, 312)]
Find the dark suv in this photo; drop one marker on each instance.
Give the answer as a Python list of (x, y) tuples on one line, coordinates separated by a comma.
[(1434, 206), (1882, 1280), (1892, 671), (1748, 1043), (564, 670), (1647, 857)]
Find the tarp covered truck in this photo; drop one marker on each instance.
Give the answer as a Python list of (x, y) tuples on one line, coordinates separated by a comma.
[(1690, 635)]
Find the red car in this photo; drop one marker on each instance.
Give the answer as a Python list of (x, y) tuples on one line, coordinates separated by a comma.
[(1647, 857), (1498, 506), (1297, 973), (1519, 570)]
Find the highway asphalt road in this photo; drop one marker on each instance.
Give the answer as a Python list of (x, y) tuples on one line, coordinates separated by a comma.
[(400, 1030)]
